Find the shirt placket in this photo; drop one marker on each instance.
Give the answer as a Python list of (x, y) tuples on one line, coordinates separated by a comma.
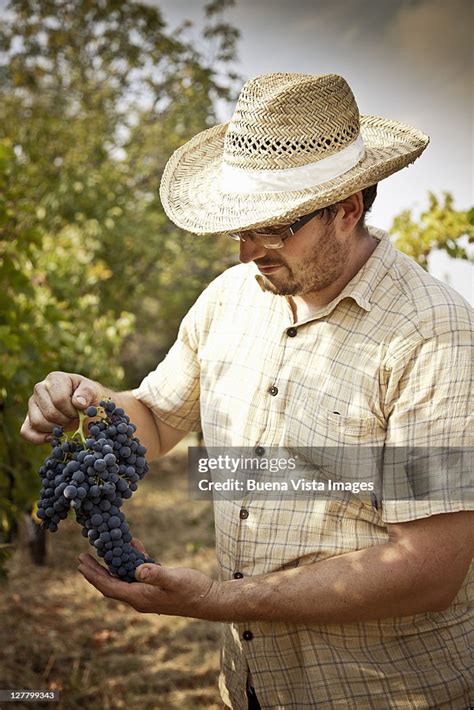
[(269, 436)]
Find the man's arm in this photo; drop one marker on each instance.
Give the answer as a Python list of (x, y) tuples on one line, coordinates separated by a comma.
[(420, 569), (155, 434)]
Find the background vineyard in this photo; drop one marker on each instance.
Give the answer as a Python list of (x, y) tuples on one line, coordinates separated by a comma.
[(94, 97)]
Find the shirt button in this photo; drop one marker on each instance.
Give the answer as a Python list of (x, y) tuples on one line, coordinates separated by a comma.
[(243, 514), (273, 390), (291, 332), (247, 635), (259, 450), (238, 575)]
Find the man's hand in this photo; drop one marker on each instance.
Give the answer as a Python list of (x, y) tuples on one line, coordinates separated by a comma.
[(178, 591), (55, 402)]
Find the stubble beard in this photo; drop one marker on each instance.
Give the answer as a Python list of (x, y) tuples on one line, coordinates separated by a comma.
[(314, 272)]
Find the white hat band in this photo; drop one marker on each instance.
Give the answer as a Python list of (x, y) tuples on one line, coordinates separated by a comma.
[(238, 180)]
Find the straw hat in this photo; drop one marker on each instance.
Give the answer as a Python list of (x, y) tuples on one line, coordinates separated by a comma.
[(295, 143)]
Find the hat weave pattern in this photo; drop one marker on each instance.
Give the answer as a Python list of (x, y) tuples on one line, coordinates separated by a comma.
[(274, 129), (281, 121)]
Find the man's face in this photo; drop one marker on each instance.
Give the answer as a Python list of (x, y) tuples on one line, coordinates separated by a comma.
[(311, 260)]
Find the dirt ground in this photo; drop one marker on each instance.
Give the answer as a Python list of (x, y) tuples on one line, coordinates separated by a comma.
[(58, 632)]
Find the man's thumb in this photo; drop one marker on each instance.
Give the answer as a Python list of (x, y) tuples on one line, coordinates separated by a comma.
[(82, 397), (151, 574)]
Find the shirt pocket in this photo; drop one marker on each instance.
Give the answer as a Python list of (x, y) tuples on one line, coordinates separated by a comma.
[(337, 448), (340, 429), (316, 424)]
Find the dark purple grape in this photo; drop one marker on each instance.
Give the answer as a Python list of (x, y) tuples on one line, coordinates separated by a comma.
[(70, 492)]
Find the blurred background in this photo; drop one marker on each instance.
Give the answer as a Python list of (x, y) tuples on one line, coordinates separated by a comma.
[(94, 98)]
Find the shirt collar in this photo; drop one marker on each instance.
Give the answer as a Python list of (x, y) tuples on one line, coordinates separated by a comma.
[(362, 286)]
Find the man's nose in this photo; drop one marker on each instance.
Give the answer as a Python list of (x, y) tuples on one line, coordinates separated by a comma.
[(250, 251)]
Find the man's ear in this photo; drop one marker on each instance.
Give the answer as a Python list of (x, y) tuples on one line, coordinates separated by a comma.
[(352, 210)]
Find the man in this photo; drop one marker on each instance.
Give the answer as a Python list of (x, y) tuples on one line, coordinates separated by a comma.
[(325, 339)]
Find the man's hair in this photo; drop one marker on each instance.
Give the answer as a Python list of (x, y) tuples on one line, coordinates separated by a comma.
[(368, 196)]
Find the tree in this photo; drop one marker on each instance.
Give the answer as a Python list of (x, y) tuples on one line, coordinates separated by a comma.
[(440, 227), (94, 98), (97, 96), (42, 329)]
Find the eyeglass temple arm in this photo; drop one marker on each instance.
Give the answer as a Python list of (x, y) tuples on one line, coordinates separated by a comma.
[(303, 220)]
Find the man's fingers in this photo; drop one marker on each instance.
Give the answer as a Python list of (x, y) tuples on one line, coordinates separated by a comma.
[(102, 580), (37, 419), (87, 561), (49, 409), (60, 387), (39, 424), (28, 433)]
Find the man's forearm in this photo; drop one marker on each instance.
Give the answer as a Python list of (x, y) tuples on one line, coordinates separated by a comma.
[(374, 583)]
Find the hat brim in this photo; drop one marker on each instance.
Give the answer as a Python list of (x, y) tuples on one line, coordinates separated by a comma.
[(192, 198)]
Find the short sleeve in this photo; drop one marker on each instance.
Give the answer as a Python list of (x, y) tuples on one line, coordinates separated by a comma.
[(172, 390), (428, 453)]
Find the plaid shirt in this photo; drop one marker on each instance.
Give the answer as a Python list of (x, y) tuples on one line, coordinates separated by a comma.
[(386, 363)]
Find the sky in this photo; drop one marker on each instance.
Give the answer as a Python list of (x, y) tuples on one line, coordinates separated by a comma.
[(409, 60)]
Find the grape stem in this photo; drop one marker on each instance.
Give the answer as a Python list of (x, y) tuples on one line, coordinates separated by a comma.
[(82, 416), (80, 429)]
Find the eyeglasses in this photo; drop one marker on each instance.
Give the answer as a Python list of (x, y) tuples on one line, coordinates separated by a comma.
[(276, 239)]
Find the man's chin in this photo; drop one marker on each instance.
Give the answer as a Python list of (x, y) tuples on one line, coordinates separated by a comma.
[(277, 287)]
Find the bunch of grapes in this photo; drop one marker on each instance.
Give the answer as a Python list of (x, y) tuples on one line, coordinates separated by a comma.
[(93, 476)]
